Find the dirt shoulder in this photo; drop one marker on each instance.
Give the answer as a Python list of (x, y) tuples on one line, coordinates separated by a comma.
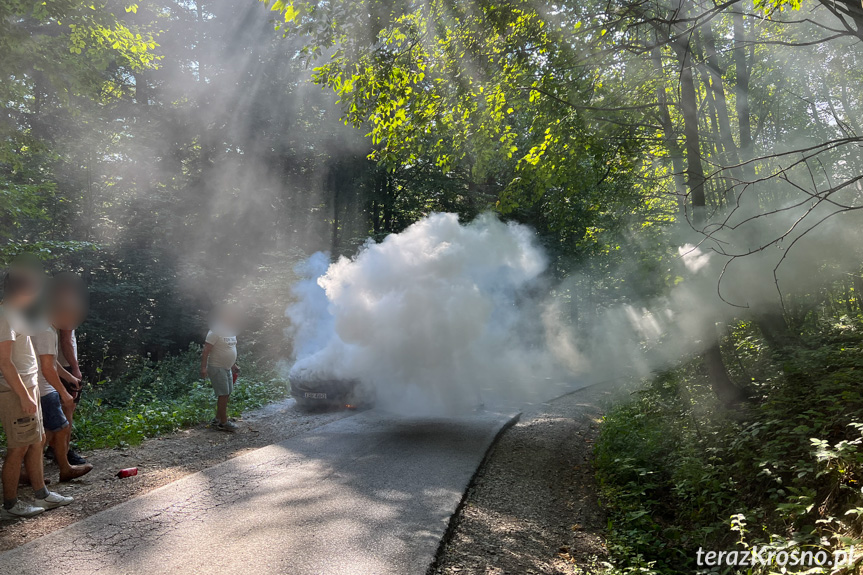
[(532, 508), (159, 461)]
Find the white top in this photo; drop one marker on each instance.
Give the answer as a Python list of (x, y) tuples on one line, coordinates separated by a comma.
[(45, 343), (23, 354), (224, 353)]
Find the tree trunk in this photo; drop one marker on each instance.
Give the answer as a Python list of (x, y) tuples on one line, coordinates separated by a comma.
[(201, 47), (376, 209), (741, 91), (717, 84), (689, 107), (850, 116), (142, 89), (720, 381), (722, 386), (715, 142), (674, 151), (335, 183), (774, 328)]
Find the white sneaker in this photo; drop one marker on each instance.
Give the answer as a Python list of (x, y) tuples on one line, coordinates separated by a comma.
[(22, 509), (53, 500)]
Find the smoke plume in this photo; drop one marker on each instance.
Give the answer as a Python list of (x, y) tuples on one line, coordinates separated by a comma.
[(434, 317)]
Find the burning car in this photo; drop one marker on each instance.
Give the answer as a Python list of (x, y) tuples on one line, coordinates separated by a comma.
[(311, 392)]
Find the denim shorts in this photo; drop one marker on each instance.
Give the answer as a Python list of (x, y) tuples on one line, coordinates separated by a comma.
[(222, 380), (52, 412)]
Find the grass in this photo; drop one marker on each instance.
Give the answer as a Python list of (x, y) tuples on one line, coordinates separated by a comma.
[(677, 472), (157, 398)]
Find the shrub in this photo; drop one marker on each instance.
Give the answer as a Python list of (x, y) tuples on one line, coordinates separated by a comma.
[(677, 473), (155, 398)]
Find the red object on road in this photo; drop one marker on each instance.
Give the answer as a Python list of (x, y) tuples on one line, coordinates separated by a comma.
[(128, 472)]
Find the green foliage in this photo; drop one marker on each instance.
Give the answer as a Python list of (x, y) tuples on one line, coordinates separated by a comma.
[(155, 398), (495, 93), (53, 55), (144, 172), (678, 473)]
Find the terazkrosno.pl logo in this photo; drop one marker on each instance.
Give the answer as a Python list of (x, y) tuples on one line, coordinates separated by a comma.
[(756, 556)]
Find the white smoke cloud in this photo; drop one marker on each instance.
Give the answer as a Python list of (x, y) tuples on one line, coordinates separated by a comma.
[(444, 316), (431, 317)]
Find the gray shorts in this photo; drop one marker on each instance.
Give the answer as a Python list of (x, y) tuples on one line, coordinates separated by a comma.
[(222, 380)]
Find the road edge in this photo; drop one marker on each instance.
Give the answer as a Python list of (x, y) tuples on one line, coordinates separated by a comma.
[(451, 523)]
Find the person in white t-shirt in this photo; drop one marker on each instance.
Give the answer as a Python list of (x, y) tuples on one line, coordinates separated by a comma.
[(219, 362), (55, 400), (20, 410)]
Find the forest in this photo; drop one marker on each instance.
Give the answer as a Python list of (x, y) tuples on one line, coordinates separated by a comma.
[(693, 170)]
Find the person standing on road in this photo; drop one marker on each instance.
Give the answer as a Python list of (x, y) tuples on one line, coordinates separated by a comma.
[(219, 363)]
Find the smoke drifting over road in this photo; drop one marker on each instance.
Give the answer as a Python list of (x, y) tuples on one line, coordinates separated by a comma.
[(444, 316), (433, 317)]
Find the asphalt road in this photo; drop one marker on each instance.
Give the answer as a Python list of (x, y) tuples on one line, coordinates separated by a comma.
[(370, 494)]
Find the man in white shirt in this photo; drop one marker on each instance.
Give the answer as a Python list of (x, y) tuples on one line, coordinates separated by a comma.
[(219, 363), (54, 398)]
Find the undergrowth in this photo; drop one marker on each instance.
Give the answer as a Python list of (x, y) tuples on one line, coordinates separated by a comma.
[(158, 397), (677, 472)]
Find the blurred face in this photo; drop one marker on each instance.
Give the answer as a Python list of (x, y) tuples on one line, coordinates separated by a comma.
[(68, 302), (23, 287), (228, 316), (24, 283), (68, 315)]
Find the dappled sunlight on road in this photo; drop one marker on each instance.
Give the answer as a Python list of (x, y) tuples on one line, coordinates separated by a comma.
[(367, 494)]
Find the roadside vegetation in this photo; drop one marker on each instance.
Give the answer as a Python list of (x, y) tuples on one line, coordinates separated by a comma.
[(679, 471)]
